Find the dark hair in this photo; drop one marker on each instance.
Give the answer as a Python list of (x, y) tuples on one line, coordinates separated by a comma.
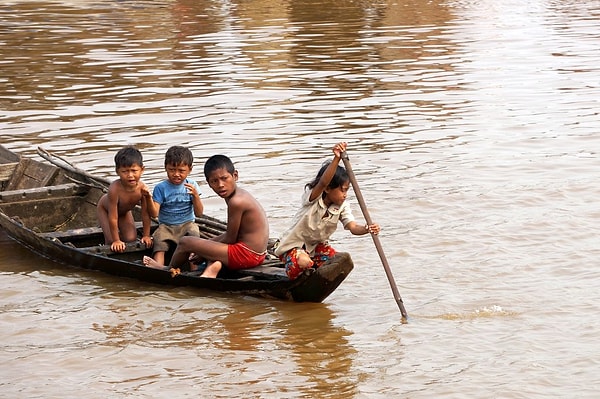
[(340, 177), (217, 162), (128, 156), (177, 155)]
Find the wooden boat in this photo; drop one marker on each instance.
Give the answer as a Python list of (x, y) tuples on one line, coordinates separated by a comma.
[(50, 207)]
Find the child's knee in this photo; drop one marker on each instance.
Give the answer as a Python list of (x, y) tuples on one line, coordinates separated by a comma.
[(304, 260)]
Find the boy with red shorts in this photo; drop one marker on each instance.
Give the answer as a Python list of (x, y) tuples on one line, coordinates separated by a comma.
[(244, 243)]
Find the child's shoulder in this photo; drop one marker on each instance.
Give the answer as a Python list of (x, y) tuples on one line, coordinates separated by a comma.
[(244, 199), (243, 193), (115, 185)]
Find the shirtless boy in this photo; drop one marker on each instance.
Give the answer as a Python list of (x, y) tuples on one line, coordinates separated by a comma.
[(244, 243), (114, 208)]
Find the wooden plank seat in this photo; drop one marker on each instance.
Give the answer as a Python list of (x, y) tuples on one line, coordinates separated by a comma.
[(77, 233), (39, 193), (105, 250)]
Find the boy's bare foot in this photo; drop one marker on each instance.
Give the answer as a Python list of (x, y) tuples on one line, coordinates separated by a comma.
[(212, 269), (175, 271), (150, 262)]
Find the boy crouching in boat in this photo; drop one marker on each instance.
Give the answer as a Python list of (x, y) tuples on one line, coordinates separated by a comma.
[(244, 243), (114, 207)]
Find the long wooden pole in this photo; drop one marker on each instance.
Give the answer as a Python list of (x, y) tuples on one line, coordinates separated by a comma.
[(375, 237)]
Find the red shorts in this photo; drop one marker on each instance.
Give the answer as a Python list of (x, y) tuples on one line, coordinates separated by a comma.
[(323, 252), (239, 256)]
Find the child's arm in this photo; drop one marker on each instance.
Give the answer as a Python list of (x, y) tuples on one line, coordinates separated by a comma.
[(362, 229), (329, 172), (235, 211), (113, 218), (148, 211), (151, 206), (196, 201), (234, 220)]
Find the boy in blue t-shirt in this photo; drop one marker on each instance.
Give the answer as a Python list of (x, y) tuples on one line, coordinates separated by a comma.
[(177, 202)]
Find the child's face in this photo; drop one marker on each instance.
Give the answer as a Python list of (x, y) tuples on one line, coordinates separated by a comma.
[(130, 175), (222, 182), (177, 173), (337, 195)]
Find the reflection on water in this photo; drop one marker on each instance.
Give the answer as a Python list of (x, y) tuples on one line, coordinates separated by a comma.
[(164, 333), (188, 73), (472, 129), (322, 356)]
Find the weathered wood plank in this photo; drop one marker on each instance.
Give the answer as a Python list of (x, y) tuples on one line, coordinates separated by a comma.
[(105, 249), (78, 233), (7, 170), (29, 173), (73, 233), (37, 193)]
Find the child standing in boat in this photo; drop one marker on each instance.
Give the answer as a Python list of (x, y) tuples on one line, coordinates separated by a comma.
[(244, 243), (114, 208), (305, 244), (177, 203)]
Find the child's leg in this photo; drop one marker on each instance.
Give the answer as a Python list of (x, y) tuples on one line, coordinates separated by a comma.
[(102, 214), (157, 260), (150, 262), (323, 252), (202, 249), (159, 257), (161, 247), (127, 229)]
